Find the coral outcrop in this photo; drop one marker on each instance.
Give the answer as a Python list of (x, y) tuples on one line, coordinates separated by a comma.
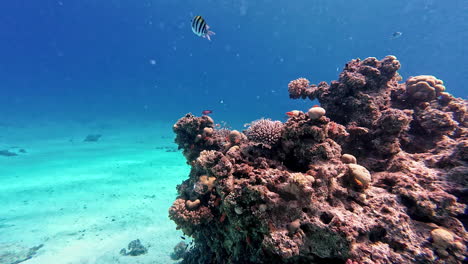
[(377, 174)]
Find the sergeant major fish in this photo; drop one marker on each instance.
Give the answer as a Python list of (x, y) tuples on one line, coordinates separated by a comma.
[(200, 28)]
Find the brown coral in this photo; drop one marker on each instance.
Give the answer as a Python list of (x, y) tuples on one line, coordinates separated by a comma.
[(424, 88), (297, 88)]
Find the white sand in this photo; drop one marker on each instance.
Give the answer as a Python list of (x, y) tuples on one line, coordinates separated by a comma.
[(85, 201)]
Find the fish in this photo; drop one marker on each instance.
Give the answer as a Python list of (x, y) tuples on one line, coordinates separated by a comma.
[(200, 28), (293, 113), (396, 35), (206, 112)]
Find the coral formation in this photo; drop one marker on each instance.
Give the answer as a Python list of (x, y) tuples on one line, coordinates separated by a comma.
[(377, 174), (265, 132), (316, 112)]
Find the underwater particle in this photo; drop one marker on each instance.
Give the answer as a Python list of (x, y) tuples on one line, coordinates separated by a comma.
[(152, 62), (316, 112), (200, 28)]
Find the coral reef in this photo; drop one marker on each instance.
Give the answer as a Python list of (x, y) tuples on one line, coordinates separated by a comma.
[(377, 174), (265, 132)]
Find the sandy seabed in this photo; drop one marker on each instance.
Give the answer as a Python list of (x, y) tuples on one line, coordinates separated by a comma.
[(69, 201)]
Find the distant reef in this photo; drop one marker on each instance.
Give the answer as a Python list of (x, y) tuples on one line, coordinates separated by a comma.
[(378, 173)]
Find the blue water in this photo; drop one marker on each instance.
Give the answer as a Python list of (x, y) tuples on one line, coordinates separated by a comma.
[(136, 60), (128, 69)]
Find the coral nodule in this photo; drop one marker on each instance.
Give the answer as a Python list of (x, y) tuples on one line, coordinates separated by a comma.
[(377, 174)]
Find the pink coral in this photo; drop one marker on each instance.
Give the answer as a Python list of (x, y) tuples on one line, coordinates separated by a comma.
[(265, 131)]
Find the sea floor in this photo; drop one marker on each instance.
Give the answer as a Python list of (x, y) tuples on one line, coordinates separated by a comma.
[(64, 200)]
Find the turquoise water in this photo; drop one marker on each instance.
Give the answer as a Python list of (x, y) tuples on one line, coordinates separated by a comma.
[(127, 70), (85, 201)]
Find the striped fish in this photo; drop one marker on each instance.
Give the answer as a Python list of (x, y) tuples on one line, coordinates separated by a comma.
[(200, 28)]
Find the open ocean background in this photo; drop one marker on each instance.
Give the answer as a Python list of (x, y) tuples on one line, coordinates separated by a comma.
[(92, 59), (127, 70)]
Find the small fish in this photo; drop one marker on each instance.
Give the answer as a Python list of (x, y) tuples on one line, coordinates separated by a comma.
[(182, 237), (200, 28), (206, 112), (396, 35), (293, 113)]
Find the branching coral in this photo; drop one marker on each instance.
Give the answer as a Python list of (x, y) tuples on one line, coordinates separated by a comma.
[(265, 132)]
